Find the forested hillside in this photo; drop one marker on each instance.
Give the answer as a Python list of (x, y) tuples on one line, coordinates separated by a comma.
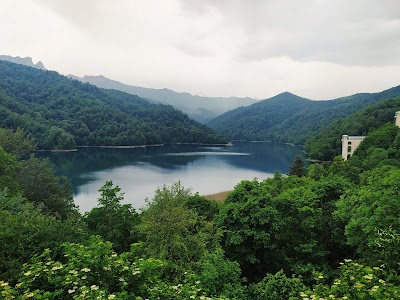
[(61, 113), (327, 143), (326, 232), (289, 118)]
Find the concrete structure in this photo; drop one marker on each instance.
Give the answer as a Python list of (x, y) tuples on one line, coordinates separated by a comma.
[(397, 118), (350, 144)]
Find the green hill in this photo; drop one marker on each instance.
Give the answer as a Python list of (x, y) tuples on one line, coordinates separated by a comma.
[(327, 143), (61, 113), (290, 118)]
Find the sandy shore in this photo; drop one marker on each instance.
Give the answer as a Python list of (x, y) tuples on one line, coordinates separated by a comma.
[(218, 196)]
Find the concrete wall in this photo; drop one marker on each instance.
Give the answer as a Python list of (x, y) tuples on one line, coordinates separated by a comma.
[(350, 144), (397, 118)]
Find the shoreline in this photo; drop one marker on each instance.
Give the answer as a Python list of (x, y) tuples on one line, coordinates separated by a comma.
[(219, 197), (229, 144), (128, 147)]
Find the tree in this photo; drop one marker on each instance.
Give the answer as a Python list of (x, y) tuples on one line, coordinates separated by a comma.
[(203, 207), (172, 231), (113, 221), (15, 142), (297, 168), (316, 171), (39, 184), (25, 231), (272, 225), (355, 281), (8, 172), (373, 206), (220, 276), (277, 287)]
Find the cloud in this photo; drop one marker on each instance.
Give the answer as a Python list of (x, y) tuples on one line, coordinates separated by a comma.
[(344, 32), (315, 48)]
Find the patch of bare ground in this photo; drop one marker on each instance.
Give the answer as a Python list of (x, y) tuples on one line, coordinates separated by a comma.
[(220, 197)]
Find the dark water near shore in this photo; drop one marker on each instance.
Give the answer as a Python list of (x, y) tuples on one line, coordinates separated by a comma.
[(139, 171)]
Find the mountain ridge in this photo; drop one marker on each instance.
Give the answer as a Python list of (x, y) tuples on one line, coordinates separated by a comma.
[(290, 118), (200, 108), (26, 61)]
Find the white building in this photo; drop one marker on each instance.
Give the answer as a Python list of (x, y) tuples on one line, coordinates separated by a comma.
[(397, 118), (350, 144)]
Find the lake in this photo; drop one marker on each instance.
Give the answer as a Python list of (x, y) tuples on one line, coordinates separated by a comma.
[(139, 171)]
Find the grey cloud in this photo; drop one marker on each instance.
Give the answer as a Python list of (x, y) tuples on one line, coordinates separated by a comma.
[(359, 32), (194, 50)]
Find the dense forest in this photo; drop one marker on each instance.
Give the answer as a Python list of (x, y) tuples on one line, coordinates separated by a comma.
[(327, 143), (61, 113), (326, 232), (291, 119)]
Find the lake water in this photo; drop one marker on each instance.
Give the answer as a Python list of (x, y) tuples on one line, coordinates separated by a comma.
[(139, 171)]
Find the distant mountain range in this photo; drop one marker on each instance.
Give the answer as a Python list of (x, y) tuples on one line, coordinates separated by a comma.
[(291, 119), (201, 109), (26, 61)]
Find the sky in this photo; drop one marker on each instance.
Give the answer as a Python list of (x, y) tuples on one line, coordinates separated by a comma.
[(318, 49)]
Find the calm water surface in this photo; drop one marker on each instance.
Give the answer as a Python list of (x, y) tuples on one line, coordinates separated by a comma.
[(139, 171)]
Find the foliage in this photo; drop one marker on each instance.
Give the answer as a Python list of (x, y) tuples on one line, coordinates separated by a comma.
[(94, 271), (371, 207), (55, 193), (15, 142), (8, 172), (297, 168), (203, 207), (382, 137), (61, 113), (36, 180), (174, 232), (385, 249), (316, 171), (220, 276), (277, 287), (355, 281), (272, 225), (25, 231), (113, 221)]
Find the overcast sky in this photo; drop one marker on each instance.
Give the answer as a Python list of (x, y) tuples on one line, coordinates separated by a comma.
[(320, 49)]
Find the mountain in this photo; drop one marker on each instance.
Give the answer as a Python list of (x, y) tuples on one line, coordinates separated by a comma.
[(199, 108), (290, 118), (60, 112), (26, 61), (327, 143)]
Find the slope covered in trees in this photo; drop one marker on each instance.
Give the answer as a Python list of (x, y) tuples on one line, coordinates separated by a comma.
[(289, 118), (327, 143), (62, 113)]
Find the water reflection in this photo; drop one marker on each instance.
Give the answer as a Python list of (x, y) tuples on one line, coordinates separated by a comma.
[(139, 171)]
